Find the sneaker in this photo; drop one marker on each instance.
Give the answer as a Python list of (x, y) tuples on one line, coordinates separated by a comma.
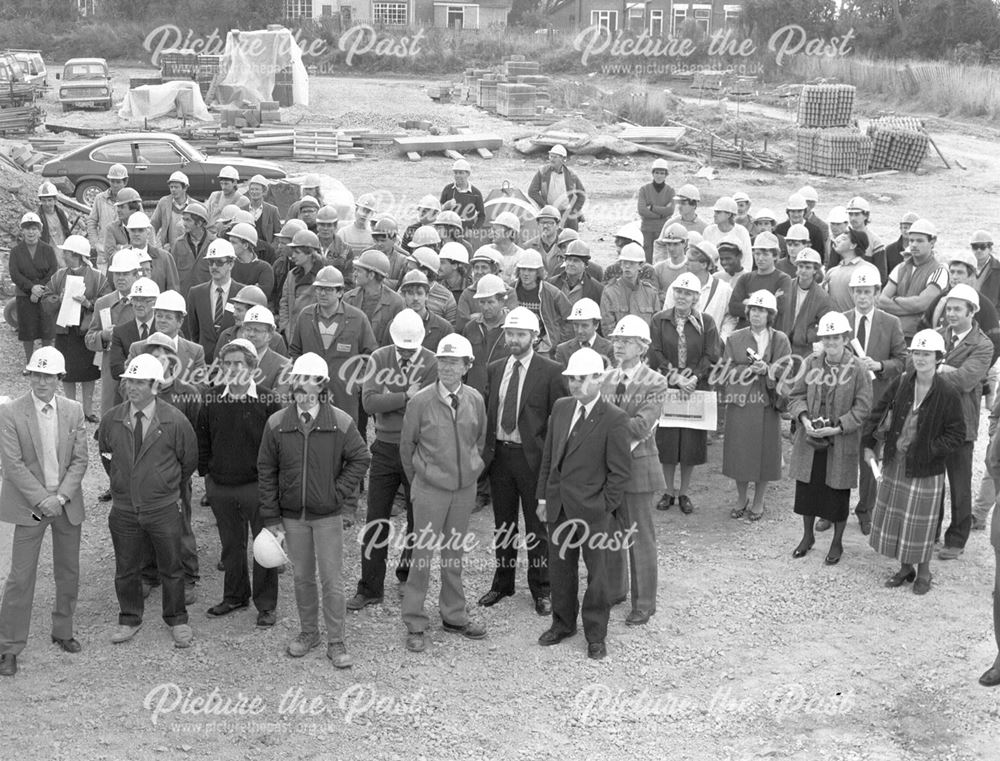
[(182, 634), (360, 601), (471, 630), (302, 644), (337, 652), (123, 633), (416, 642)]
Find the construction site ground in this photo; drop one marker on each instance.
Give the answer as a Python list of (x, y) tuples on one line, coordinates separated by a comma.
[(751, 654)]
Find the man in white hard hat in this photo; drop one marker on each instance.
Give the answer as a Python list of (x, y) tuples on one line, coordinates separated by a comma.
[(449, 229), (115, 235), (372, 296), (169, 312), (847, 245), (573, 277), (44, 457), (55, 224), (585, 466), (485, 261), (585, 319), (686, 201), (505, 231), (743, 216), (227, 194), (521, 391), (795, 209), (549, 305), (31, 265), (188, 250), (807, 303), (484, 330), (249, 268), (414, 290), (103, 212), (311, 460), (629, 294), (557, 185), (808, 192), (796, 241), (259, 328), (440, 446), (962, 270), (311, 188), (427, 210), (207, 312), (547, 241), (454, 272), (230, 428), (142, 296), (306, 210), (394, 376), (332, 249), (724, 226), (915, 283), (357, 236), (766, 277), (440, 300), (670, 255), (167, 219), (153, 449), (385, 233), (283, 259), (655, 204), (464, 198), (859, 215), (267, 219), (163, 268)]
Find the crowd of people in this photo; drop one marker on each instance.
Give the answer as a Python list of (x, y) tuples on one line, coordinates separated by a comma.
[(457, 363)]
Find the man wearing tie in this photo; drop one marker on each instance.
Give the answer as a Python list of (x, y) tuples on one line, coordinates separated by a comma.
[(208, 315), (585, 467), (142, 297), (43, 449), (884, 354), (585, 320), (521, 390)]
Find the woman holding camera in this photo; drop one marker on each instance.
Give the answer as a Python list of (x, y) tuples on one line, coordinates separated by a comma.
[(753, 357), (831, 400), (920, 417)]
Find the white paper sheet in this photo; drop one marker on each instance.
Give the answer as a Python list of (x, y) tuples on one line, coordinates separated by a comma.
[(69, 310), (856, 345)]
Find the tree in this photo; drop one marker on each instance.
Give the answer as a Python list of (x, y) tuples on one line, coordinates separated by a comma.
[(936, 27)]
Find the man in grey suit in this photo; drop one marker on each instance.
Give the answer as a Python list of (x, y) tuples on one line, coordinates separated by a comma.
[(581, 482), (168, 317), (43, 448)]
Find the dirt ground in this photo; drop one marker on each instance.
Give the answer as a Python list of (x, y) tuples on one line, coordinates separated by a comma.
[(751, 654)]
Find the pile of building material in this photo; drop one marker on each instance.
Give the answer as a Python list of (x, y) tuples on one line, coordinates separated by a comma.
[(714, 81), (899, 142), (20, 120), (824, 106), (450, 145), (825, 141), (516, 89), (298, 144)]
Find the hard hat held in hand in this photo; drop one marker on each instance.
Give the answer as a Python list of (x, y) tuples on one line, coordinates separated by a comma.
[(267, 550)]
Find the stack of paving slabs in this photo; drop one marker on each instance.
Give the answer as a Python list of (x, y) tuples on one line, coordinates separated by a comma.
[(178, 64), (541, 84), (899, 142), (826, 106), (713, 80), (515, 100), (519, 68), (487, 96), (805, 149), (470, 83), (842, 151)]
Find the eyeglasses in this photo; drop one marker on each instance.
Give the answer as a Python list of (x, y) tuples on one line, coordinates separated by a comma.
[(219, 262), (380, 236), (981, 246)]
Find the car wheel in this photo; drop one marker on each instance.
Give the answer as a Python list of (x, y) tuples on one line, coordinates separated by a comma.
[(87, 190)]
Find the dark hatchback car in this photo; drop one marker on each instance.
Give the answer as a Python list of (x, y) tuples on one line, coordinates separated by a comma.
[(150, 157)]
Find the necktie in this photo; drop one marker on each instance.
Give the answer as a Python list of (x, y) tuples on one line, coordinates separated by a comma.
[(952, 338), (863, 330), (454, 403), (575, 428), (220, 305), (306, 418), (620, 391), (682, 346), (47, 409), (509, 419), (404, 371), (137, 436), (143, 332)]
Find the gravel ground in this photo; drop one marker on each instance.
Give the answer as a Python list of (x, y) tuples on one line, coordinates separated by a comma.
[(751, 655)]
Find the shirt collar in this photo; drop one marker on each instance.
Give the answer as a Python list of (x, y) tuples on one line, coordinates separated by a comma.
[(39, 403), (587, 408), (445, 394), (630, 373), (224, 286), (858, 314), (525, 360), (313, 411), (147, 411), (960, 336), (251, 391)]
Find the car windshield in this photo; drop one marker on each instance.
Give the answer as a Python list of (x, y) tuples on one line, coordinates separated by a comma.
[(84, 71), (190, 150)]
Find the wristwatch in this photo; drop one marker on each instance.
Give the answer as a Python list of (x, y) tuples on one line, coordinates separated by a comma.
[(62, 500)]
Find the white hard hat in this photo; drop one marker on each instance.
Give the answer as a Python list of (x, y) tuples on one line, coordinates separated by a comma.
[(979, 236), (220, 248), (143, 255), (179, 177), (30, 218), (162, 340), (171, 301), (454, 345), (577, 248), (687, 193), (726, 204), (741, 196), (558, 150), (509, 220), (923, 227), (311, 365), (798, 232), (661, 164), (808, 192), (584, 361), (858, 204), (125, 260), (674, 233), (329, 277), (521, 318), (246, 232), (373, 261), (966, 257), (530, 259), (838, 216), (259, 179), (407, 330), (709, 249), (229, 173), (367, 201), (865, 277), (117, 172), (766, 240), (144, 367), (47, 190), (250, 295), (425, 235), (489, 285), (631, 231), (414, 277), (48, 360), (585, 309), (833, 324), (138, 221), (426, 257), (795, 201), (763, 299), (632, 252), (429, 202), (764, 213), (240, 343), (448, 218), (144, 288), (909, 218), (631, 326), (77, 244), (259, 315), (454, 251), (965, 293), (548, 212), (687, 282), (809, 256), (461, 165), (928, 340), (267, 550), (195, 209)]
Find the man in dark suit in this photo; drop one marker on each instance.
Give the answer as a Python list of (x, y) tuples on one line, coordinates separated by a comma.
[(585, 466), (142, 297), (169, 312), (585, 319), (43, 449), (207, 313), (894, 251), (519, 397)]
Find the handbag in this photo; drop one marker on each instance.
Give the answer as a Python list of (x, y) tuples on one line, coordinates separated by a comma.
[(881, 430), (818, 442)]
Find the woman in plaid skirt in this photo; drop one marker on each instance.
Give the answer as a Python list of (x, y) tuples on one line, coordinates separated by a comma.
[(921, 418)]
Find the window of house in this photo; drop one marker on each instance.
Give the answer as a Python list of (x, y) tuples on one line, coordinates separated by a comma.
[(732, 15), (86, 7), (607, 19), (326, 11), (678, 19), (390, 14), (636, 18), (656, 23), (456, 17), (298, 9), (703, 17)]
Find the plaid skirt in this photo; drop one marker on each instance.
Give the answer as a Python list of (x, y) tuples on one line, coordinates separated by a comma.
[(905, 515)]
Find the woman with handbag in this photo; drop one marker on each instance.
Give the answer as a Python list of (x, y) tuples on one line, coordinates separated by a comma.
[(753, 358), (80, 367), (924, 425), (831, 400)]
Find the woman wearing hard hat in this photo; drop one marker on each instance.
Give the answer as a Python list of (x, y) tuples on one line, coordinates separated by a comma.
[(55, 225), (32, 264)]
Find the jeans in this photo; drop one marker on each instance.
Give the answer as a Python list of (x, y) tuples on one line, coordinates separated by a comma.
[(162, 527), (311, 545), (385, 476)]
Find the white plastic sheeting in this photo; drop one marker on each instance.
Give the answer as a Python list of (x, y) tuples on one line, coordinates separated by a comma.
[(252, 61), (179, 98)]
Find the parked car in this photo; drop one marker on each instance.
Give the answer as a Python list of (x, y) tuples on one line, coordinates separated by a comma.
[(85, 82), (150, 157), (10, 69), (33, 67)]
